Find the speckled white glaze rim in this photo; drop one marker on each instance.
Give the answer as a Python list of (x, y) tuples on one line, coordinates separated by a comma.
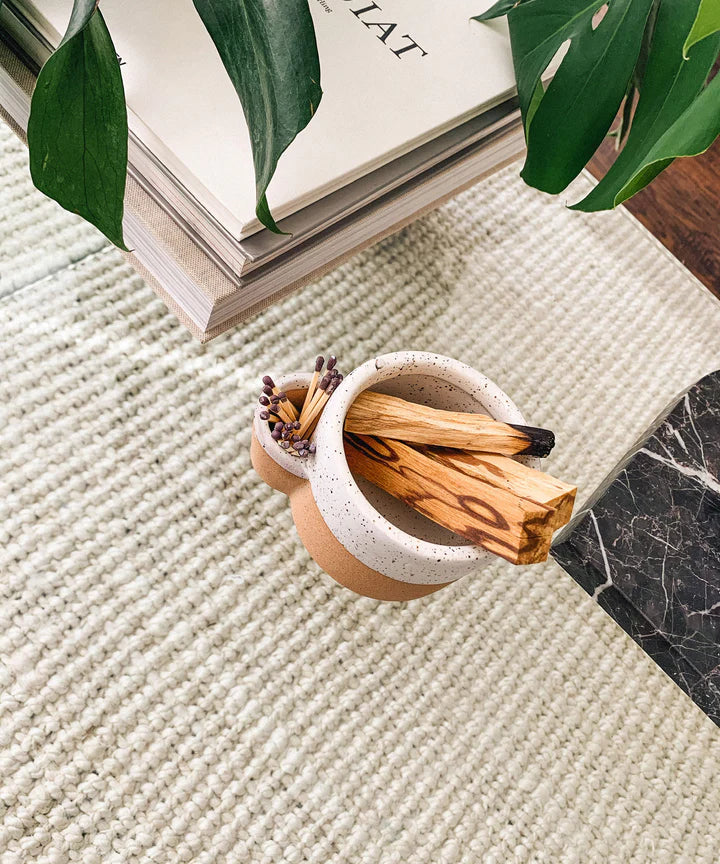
[(359, 527), (298, 467)]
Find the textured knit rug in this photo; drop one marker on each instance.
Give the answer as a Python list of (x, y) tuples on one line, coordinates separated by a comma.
[(180, 682)]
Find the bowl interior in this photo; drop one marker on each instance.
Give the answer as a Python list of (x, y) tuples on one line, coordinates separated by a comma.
[(436, 393)]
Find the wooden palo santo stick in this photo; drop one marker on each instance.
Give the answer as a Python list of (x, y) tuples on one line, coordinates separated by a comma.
[(507, 473), (516, 529), (389, 417)]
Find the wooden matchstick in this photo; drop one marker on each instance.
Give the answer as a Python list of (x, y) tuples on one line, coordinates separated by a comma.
[(390, 417), (279, 408), (507, 473), (288, 407), (319, 363), (307, 426), (287, 410), (514, 528), (322, 386), (288, 423)]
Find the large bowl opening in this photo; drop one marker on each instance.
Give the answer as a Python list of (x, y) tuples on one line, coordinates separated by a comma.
[(434, 392)]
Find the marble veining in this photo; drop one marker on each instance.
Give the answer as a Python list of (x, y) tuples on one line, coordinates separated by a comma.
[(647, 544)]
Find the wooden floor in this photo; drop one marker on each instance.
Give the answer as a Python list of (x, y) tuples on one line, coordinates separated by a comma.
[(681, 207)]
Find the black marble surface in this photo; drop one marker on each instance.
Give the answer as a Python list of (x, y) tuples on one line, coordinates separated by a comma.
[(647, 544)]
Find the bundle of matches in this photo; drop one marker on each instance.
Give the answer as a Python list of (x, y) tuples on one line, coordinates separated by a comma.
[(290, 428), (458, 470)]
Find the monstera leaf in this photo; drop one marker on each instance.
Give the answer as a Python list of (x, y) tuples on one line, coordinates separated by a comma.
[(269, 51), (706, 23), (613, 50), (669, 87), (77, 132)]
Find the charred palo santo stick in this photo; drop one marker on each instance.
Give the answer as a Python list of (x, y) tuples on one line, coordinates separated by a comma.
[(514, 528), (506, 473), (390, 417)]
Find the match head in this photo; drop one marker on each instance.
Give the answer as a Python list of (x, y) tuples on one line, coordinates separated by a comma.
[(323, 385), (282, 395), (268, 391), (276, 433), (268, 381), (319, 363), (302, 452), (275, 400), (285, 445), (332, 363), (264, 400), (312, 448), (296, 424), (273, 410), (264, 415)]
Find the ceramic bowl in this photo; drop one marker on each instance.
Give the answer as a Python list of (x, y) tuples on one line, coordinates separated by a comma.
[(364, 538)]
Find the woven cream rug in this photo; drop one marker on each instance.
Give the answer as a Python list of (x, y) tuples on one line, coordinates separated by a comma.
[(179, 682)]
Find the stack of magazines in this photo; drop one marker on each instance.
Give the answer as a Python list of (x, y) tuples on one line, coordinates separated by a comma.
[(405, 122)]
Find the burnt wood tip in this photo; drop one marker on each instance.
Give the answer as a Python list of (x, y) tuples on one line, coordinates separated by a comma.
[(540, 441)]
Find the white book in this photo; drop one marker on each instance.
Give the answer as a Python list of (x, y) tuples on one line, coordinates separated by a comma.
[(402, 127), (381, 99)]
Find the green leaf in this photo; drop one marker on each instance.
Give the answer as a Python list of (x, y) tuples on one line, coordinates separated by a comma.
[(77, 132), (581, 101), (691, 134), (269, 51), (669, 86), (636, 79), (706, 23), (534, 102), (621, 131)]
